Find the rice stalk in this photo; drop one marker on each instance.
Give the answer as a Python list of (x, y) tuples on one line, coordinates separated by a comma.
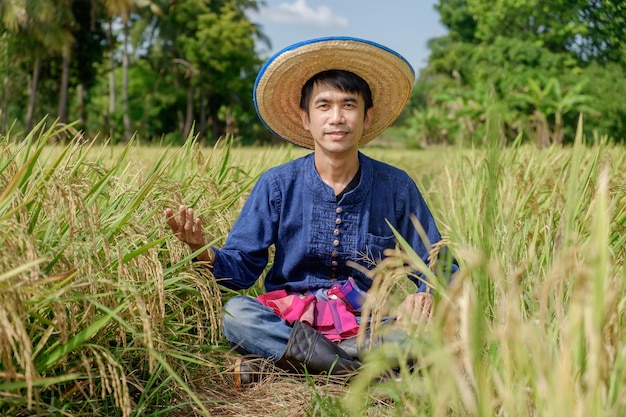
[(85, 291), (532, 324)]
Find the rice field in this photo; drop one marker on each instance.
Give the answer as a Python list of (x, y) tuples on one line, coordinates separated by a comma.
[(102, 314)]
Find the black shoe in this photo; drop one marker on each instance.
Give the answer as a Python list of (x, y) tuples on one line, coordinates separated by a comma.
[(250, 370)]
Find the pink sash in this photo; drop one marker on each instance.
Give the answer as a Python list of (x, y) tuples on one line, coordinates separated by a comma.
[(332, 312)]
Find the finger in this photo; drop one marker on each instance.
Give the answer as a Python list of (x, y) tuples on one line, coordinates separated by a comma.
[(189, 222), (180, 222), (416, 313), (405, 309), (414, 305), (168, 214), (427, 306), (170, 219), (198, 228), (182, 215)]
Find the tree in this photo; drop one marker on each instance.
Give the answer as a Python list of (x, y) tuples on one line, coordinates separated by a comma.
[(192, 62), (589, 29), (36, 25), (606, 20), (457, 17), (549, 103), (65, 21), (552, 24), (208, 51), (88, 51), (531, 56), (122, 9)]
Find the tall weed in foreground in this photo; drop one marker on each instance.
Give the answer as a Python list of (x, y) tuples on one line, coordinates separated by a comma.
[(533, 325), (99, 315)]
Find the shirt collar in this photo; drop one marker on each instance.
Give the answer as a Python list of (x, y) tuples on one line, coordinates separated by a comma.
[(317, 185)]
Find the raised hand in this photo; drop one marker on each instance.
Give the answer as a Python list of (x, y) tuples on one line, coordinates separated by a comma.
[(188, 230)]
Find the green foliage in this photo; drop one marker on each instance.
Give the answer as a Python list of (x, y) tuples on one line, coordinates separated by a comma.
[(521, 68), (606, 87), (550, 104), (194, 60), (605, 29), (457, 17), (552, 24), (212, 46)]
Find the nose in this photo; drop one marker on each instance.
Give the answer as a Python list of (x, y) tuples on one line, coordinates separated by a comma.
[(336, 115)]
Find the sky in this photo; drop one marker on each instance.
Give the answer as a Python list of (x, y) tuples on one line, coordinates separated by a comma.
[(402, 25)]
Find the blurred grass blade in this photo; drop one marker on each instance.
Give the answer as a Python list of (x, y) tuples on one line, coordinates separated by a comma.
[(22, 268)]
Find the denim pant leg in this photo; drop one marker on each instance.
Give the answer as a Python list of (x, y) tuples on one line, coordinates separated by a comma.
[(252, 328)]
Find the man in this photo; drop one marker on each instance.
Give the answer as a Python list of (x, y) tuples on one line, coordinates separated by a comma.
[(323, 213)]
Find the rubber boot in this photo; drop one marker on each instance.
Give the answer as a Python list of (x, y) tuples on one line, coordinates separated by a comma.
[(307, 349)]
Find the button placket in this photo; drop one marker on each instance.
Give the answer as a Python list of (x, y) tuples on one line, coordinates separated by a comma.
[(334, 254)]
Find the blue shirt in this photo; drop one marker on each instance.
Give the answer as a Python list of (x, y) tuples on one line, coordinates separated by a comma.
[(315, 235)]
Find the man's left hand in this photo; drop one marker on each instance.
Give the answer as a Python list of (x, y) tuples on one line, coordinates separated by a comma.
[(415, 308)]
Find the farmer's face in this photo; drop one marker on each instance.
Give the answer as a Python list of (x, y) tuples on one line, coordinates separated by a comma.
[(336, 119)]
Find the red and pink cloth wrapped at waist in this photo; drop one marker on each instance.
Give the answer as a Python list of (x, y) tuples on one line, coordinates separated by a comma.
[(330, 311)]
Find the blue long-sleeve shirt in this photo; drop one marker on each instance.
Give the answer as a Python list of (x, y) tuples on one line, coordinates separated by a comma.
[(315, 235)]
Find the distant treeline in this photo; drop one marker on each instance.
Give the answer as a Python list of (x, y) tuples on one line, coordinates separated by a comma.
[(506, 70)]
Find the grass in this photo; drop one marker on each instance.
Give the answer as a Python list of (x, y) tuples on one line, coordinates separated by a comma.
[(102, 314)]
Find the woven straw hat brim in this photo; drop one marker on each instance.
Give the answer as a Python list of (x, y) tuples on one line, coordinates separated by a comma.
[(279, 84)]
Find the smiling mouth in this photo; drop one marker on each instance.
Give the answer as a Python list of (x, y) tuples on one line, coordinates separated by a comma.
[(337, 133), (336, 136)]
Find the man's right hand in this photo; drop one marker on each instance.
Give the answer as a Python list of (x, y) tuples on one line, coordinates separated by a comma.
[(188, 230)]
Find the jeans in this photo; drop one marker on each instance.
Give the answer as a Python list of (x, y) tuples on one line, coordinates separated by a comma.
[(252, 328)]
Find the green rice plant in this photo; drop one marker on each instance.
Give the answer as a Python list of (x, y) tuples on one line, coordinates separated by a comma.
[(102, 313), (533, 324), (95, 305)]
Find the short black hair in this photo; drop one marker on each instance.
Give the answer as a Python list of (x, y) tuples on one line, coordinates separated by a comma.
[(343, 80)]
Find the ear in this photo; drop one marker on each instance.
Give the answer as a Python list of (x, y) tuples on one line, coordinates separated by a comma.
[(369, 114), (305, 119)]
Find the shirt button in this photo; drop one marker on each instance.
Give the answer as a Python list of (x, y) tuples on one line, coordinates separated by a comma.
[(337, 221), (334, 263), (334, 254), (336, 232), (335, 242), (339, 210)]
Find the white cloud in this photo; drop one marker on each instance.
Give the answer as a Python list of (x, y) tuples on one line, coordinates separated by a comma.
[(300, 13)]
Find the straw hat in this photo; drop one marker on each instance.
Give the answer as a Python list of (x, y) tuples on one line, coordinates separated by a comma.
[(279, 84)]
